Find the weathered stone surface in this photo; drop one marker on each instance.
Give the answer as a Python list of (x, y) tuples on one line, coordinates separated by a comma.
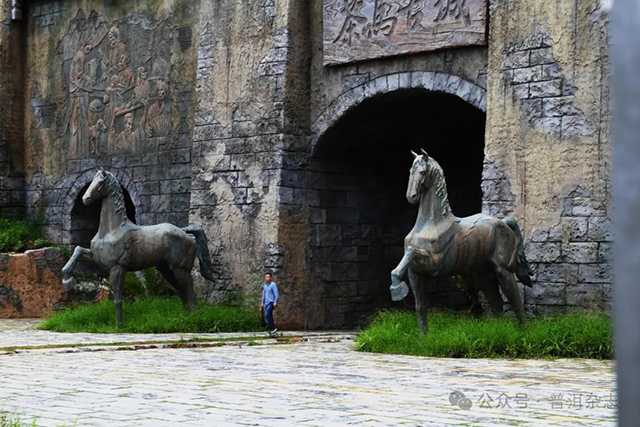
[(237, 157), (557, 273), (31, 283), (546, 294), (543, 252)]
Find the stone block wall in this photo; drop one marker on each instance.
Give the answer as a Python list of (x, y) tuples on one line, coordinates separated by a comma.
[(548, 147), (109, 88), (11, 115), (572, 260), (216, 113), (246, 118)]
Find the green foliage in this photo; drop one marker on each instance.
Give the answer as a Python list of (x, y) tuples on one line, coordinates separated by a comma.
[(454, 335), (235, 299), (146, 284), (154, 315), (65, 251), (13, 421), (18, 235)]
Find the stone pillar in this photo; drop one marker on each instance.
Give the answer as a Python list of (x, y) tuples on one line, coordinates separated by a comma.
[(245, 120), (547, 152), (11, 113)]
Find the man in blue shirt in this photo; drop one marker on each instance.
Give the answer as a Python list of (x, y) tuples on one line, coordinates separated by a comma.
[(269, 301)]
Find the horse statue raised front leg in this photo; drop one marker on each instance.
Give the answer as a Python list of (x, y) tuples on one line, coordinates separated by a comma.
[(442, 245), (121, 246)]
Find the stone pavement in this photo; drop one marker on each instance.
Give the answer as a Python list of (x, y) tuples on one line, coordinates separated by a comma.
[(23, 333), (310, 383)]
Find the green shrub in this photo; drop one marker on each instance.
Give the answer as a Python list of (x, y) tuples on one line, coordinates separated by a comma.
[(13, 421), (154, 315), (146, 284), (235, 299), (455, 335), (18, 236)]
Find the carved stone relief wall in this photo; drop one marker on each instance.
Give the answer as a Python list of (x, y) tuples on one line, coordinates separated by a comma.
[(114, 88), (117, 85), (209, 113)]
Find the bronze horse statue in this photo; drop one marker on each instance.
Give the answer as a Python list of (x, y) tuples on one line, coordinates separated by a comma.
[(442, 245), (121, 246)]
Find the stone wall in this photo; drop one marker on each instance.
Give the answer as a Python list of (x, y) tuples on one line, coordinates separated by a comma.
[(339, 249), (109, 87), (223, 114), (31, 283), (12, 46), (248, 114), (548, 146)]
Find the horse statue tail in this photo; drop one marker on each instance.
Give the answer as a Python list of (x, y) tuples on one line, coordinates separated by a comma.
[(523, 270), (202, 250)]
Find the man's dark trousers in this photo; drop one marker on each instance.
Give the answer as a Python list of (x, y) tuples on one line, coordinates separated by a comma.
[(268, 313)]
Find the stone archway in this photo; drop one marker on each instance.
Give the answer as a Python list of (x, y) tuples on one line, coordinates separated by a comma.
[(360, 163), (430, 81), (79, 221)]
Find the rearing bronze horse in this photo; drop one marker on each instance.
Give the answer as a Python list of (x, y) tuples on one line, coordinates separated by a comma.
[(441, 245), (121, 246)]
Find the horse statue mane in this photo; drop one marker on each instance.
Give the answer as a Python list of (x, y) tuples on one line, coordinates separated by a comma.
[(115, 191), (440, 184)]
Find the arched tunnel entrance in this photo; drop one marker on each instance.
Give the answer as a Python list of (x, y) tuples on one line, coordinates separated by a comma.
[(361, 216), (85, 220)]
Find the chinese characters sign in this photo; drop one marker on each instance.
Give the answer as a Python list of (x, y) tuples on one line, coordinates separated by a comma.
[(355, 30)]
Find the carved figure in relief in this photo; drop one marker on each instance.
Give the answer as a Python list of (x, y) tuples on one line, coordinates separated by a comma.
[(141, 89), (128, 141), (118, 48), (158, 121), (96, 133), (126, 78), (80, 85), (96, 127)]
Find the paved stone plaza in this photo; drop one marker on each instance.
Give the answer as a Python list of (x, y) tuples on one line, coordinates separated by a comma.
[(318, 382)]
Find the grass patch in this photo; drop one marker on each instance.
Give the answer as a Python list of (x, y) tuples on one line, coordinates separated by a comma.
[(14, 421), (154, 315), (575, 335)]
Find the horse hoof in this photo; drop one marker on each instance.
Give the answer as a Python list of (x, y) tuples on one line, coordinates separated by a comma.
[(399, 291), (69, 284)]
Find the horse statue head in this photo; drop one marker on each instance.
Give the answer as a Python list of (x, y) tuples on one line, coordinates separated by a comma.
[(425, 175), (419, 177), (98, 189), (105, 185)]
